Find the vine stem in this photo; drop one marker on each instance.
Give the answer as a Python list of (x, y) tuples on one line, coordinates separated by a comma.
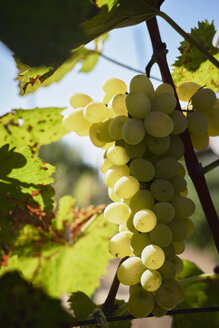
[(211, 166), (109, 303), (195, 170), (188, 38), (200, 277)]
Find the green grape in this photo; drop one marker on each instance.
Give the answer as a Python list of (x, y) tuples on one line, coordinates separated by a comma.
[(203, 99), (169, 252), (166, 297), (151, 280), (130, 224), (179, 246), (75, 121), (117, 212), (133, 131), (179, 184), (106, 165), (164, 88), (151, 156), (178, 264), (130, 271), (138, 242), (123, 227), (107, 99), (115, 173), (200, 142), (168, 270), (158, 311), (142, 199), (184, 206), (117, 155), (162, 190), (164, 211), (178, 230), (96, 112), (213, 119), (180, 122), (113, 196), (179, 289), (118, 105), (119, 245), (137, 150), (93, 135), (152, 257), (158, 124), (126, 187), (176, 148), (142, 169), (181, 170), (197, 123), (138, 104), (186, 90), (113, 86), (164, 102), (161, 235), (102, 132), (158, 146), (145, 220), (166, 168), (143, 84), (189, 226), (140, 303), (78, 100), (115, 126)]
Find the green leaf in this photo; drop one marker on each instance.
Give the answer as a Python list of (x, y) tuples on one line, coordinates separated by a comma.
[(198, 294), (205, 75), (192, 65), (34, 127), (29, 307), (26, 196), (31, 78), (81, 305), (64, 214), (65, 268), (190, 269), (39, 38)]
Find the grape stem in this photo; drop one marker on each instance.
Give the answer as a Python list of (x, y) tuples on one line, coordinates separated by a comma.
[(200, 277), (195, 170), (109, 304), (210, 166), (188, 38)]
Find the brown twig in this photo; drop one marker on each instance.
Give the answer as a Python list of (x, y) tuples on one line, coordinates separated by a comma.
[(194, 168)]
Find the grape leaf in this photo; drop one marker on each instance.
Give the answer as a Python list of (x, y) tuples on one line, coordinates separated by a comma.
[(38, 37), (34, 127), (67, 267), (29, 306), (192, 65), (31, 78), (198, 294), (81, 305), (26, 196)]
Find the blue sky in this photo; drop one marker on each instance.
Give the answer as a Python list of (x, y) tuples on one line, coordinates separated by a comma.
[(129, 45)]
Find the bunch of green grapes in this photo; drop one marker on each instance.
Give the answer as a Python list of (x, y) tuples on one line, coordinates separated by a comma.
[(203, 113), (139, 131)]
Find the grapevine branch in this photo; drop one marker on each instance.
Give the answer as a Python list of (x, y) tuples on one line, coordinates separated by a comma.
[(210, 166), (130, 317), (194, 168)]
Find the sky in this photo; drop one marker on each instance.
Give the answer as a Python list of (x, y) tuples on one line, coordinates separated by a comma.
[(128, 45)]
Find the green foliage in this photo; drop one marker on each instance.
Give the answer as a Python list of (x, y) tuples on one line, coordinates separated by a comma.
[(63, 267), (198, 294), (39, 38), (192, 65), (33, 128), (81, 305), (23, 305)]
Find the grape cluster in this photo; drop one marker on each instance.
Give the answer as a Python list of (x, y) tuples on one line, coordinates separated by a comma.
[(142, 168)]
